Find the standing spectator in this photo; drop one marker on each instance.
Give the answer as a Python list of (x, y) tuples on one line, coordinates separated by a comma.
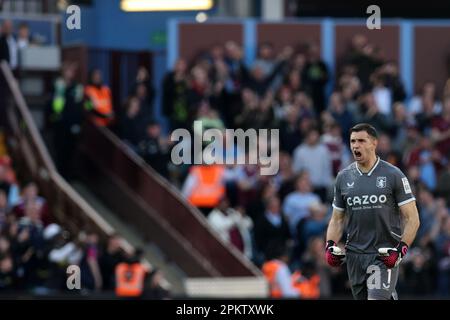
[(154, 149), (340, 113), (440, 130), (8, 45), (314, 157), (316, 77), (175, 96), (111, 257), (66, 115), (417, 103), (144, 90), (89, 264), (131, 124)]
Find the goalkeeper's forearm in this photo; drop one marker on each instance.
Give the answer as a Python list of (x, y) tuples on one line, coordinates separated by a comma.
[(411, 219), (336, 226)]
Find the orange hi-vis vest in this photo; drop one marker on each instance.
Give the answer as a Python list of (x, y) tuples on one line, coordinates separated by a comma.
[(101, 100), (308, 288), (270, 270), (210, 187), (130, 279)]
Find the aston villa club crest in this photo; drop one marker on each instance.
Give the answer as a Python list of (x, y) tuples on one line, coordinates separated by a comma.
[(381, 182)]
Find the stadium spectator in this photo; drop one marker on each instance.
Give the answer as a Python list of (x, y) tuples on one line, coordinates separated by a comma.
[(296, 204), (174, 96), (89, 263), (443, 187), (270, 226), (8, 45), (155, 289), (65, 116), (8, 186), (154, 149), (316, 77), (109, 259), (428, 96), (232, 226), (277, 273), (131, 126), (131, 277), (98, 100), (30, 195), (144, 90), (205, 186), (313, 156), (440, 129)]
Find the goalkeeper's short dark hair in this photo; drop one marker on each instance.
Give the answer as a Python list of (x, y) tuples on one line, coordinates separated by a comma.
[(371, 131)]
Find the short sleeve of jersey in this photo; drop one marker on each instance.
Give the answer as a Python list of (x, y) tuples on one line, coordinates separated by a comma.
[(402, 189), (338, 202)]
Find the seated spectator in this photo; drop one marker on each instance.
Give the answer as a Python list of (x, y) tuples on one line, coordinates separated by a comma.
[(9, 187), (62, 253), (443, 185), (440, 130), (271, 226), (8, 277), (309, 227), (30, 196), (3, 209), (428, 93), (232, 226), (296, 204)]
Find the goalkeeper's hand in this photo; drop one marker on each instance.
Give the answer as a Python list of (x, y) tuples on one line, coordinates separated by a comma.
[(391, 257), (334, 254)]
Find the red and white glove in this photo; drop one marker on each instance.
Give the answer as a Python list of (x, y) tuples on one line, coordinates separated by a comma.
[(334, 254), (391, 257)]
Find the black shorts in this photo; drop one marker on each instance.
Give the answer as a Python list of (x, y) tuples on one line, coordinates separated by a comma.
[(369, 277)]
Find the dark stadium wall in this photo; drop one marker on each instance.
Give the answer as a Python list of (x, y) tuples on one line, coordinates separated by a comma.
[(292, 34), (431, 55), (197, 38)]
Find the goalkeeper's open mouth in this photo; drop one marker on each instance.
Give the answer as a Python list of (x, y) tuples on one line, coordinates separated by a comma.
[(357, 154)]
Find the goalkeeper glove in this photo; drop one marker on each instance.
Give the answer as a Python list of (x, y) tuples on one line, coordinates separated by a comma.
[(391, 257), (334, 254)]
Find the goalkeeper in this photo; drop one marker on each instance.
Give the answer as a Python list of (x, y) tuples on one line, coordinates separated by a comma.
[(375, 203)]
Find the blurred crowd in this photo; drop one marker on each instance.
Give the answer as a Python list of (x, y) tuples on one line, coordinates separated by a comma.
[(313, 107), (287, 90), (35, 252)]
